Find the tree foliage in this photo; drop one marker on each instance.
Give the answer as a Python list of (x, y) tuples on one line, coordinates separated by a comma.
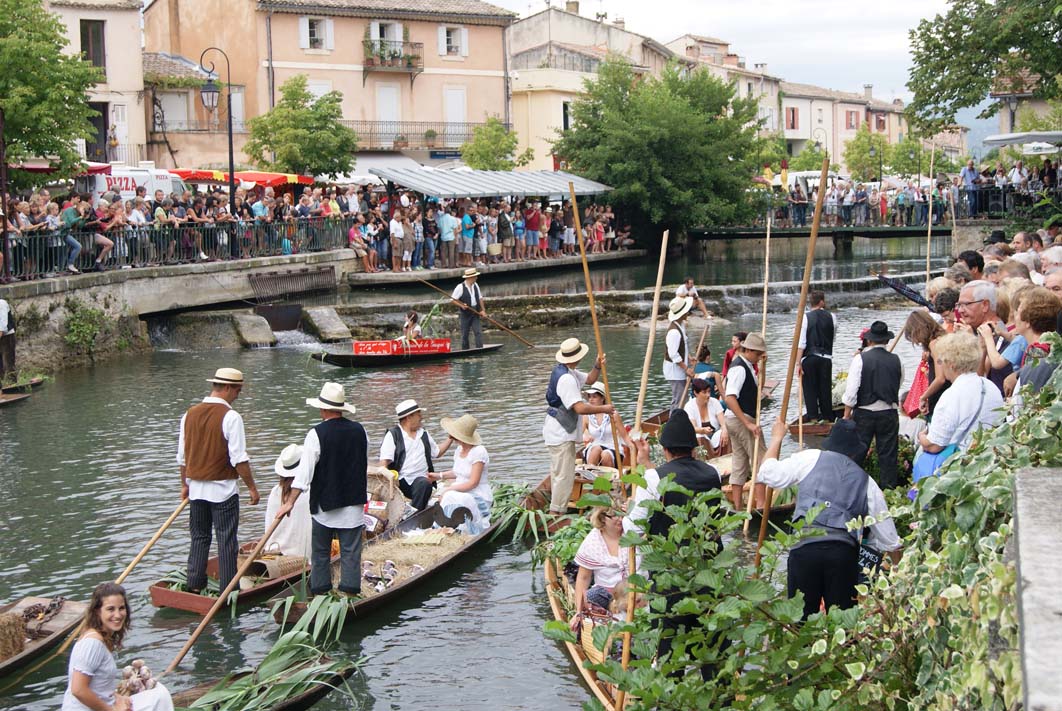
[(42, 91), (939, 631), (810, 159), (861, 164), (679, 150), (903, 157), (979, 46), (302, 134), (493, 147), (771, 151)]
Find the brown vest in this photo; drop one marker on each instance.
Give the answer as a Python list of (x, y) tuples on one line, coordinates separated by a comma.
[(206, 451), (673, 326)]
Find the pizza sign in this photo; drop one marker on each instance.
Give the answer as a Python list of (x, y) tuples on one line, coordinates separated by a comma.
[(121, 183)]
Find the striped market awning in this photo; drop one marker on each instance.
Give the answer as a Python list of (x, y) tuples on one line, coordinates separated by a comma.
[(488, 183)]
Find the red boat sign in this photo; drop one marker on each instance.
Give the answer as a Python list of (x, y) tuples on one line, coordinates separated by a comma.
[(400, 347)]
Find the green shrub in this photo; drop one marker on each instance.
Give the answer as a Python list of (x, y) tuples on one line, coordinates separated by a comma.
[(84, 325)]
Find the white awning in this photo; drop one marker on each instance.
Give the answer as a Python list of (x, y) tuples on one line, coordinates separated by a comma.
[(488, 183), (1009, 139)]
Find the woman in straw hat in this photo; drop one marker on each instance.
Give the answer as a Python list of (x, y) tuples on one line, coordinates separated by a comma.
[(600, 446), (471, 488), (292, 536)]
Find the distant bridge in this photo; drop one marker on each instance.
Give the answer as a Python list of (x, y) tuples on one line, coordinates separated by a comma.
[(837, 233)]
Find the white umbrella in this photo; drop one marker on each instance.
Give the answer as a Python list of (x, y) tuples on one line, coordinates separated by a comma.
[(1038, 148)]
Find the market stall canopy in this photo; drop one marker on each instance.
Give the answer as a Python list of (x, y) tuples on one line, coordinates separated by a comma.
[(246, 178), (198, 175), (1009, 139), (488, 183), (42, 165), (1039, 148)]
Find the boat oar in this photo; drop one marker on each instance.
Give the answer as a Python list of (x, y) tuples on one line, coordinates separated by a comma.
[(223, 597), (929, 222), (759, 380), (632, 562), (700, 344), (503, 327), (808, 262), (800, 413)]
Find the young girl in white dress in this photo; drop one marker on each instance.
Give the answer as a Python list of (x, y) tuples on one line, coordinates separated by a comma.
[(471, 488), (600, 446)]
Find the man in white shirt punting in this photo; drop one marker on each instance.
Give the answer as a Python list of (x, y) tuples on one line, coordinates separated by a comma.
[(872, 396), (469, 296), (677, 361), (408, 449)]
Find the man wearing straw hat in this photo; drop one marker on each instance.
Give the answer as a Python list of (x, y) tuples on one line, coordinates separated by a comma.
[(408, 449), (561, 428), (212, 455), (292, 536), (335, 459), (676, 358), (468, 293), (742, 395)]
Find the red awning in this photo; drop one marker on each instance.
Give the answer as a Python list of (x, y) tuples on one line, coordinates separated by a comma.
[(273, 180), (198, 175), (41, 165)]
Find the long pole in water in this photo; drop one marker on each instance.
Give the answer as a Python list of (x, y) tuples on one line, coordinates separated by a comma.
[(808, 262), (503, 327), (632, 562), (759, 380), (597, 329), (224, 596), (119, 580), (929, 222)]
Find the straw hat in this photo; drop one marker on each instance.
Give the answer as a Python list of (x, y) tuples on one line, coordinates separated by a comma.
[(598, 388), (226, 376), (407, 408), (571, 351), (470, 274), (754, 342), (288, 461), (679, 307), (463, 429), (332, 397)]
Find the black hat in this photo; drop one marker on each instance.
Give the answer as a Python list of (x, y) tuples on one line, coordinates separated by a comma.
[(997, 237), (678, 433), (844, 439), (878, 333)]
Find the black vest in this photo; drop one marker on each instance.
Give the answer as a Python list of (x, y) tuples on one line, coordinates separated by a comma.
[(693, 474), (466, 296), (880, 379), (339, 479), (400, 448), (820, 333), (747, 397)]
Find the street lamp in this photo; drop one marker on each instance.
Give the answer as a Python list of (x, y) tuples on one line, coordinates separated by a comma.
[(911, 155), (1012, 104), (209, 94), (881, 164)]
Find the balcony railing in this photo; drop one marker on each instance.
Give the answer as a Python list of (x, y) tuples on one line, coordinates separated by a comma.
[(388, 135), (129, 153), (163, 124), (392, 56)]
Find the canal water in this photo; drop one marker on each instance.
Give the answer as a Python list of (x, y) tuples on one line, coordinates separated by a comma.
[(88, 474)]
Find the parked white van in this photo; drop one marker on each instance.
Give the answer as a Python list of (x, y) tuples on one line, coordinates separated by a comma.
[(126, 179)]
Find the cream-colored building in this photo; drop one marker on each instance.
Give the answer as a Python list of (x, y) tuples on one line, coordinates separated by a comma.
[(107, 33), (553, 53), (754, 83), (413, 74)]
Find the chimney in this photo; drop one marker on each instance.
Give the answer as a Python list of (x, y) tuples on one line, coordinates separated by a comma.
[(761, 67), (868, 92), (730, 60), (620, 23), (572, 6)]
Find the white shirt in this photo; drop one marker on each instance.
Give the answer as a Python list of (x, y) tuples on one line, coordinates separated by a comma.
[(600, 430), (463, 471), (473, 290), (570, 391), (804, 333), (292, 536), (1017, 175), (675, 365), (957, 410), (735, 380), (715, 409), (683, 290), (781, 474), (855, 377), (232, 428), (396, 229), (415, 465), (343, 517), (5, 325), (636, 510)]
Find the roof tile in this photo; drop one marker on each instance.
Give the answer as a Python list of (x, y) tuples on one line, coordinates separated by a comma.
[(432, 9)]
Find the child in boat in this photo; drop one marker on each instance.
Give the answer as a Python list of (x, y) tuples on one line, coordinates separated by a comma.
[(470, 489), (411, 327), (292, 536)]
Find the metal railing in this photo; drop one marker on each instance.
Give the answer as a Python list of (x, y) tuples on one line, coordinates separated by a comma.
[(188, 126), (35, 255), (412, 134), (1007, 201), (392, 55), (128, 153)]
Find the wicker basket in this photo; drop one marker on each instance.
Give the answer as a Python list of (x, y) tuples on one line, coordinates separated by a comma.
[(586, 639), (272, 565)]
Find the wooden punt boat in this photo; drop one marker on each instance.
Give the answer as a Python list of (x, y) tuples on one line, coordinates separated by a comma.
[(811, 429), (538, 498), (299, 702), (163, 593), (651, 425), (351, 360), (50, 634), (556, 590), (13, 398), (23, 387)]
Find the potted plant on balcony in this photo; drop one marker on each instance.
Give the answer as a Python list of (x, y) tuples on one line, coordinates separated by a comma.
[(429, 138), (396, 57), (401, 141), (370, 48)]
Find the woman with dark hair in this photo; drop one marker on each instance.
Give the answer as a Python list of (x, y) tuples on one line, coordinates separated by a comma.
[(93, 672), (706, 413), (923, 331)]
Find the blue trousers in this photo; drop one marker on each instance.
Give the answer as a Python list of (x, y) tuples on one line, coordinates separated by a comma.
[(321, 558)]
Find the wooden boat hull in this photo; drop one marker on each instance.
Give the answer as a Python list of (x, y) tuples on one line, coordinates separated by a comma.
[(811, 429), (12, 398), (554, 590), (300, 702), (538, 498), (53, 631), (23, 387), (349, 360)]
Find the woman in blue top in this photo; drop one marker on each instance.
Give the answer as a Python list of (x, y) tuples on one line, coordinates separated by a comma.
[(518, 233), (468, 232)]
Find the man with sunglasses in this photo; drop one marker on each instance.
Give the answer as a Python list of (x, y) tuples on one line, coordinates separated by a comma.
[(977, 306)]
